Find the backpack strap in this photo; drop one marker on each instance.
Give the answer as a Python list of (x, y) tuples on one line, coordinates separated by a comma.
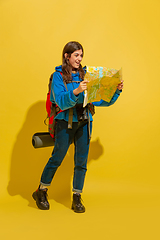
[(70, 81), (65, 83), (53, 113), (89, 132), (70, 118)]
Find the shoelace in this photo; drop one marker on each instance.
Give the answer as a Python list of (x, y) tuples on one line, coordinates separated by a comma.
[(44, 196), (79, 199)]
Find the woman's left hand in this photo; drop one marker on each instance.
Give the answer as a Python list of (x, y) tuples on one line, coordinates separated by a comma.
[(120, 86)]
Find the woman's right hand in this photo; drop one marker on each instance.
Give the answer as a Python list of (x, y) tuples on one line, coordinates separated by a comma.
[(82, 87)]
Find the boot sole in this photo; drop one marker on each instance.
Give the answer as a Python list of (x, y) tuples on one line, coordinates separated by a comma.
[(34, 195), (76, 211)]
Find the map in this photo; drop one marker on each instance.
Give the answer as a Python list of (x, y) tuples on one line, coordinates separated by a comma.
[(102, 83)]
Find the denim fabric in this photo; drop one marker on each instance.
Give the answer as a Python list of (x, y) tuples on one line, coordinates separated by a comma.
[(64, 137)]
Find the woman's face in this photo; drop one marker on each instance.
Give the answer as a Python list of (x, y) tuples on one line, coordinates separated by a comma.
[(76, 58)]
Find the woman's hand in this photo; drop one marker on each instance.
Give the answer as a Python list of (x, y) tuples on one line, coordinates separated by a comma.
[(82, 87), (120, 86)]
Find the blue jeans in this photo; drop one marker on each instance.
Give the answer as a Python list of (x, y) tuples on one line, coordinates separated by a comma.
[(64, 137)]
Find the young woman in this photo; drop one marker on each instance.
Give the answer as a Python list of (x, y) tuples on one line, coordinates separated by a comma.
[(73, 124)]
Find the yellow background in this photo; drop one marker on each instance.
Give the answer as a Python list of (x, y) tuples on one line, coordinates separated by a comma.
[(122, 188)]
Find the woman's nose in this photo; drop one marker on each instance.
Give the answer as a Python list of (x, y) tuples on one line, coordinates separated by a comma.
[(79, 58)]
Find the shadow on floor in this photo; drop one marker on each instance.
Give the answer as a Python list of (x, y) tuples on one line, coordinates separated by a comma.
[(27, 163)]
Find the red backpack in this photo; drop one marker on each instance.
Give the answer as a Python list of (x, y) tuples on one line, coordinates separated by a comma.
[(52, 110)]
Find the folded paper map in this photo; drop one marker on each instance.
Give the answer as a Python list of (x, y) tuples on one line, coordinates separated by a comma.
[(102, 84)]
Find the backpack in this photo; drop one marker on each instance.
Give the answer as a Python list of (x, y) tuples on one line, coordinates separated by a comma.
[(53, 110)]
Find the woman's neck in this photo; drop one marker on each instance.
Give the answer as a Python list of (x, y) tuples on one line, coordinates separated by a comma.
[(74, 70)]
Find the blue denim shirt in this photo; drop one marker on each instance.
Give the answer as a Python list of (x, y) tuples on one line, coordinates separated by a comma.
[(66, 99)]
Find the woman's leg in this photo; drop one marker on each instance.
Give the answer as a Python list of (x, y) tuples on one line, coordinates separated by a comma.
[(80, 159), (82, 142), (63, 139)]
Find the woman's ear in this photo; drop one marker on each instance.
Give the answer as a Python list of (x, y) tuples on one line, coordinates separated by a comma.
[(66, 55)]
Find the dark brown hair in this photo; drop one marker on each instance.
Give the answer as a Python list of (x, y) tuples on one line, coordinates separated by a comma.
[(69, 48)]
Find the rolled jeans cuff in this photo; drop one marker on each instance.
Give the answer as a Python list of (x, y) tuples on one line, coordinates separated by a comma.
[(76, 190), (45, 184)]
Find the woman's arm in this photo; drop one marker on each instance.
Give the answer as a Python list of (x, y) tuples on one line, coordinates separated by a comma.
[(59, 94), (103, 103)]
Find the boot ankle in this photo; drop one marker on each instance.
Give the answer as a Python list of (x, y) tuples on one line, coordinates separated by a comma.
[(77, 206)]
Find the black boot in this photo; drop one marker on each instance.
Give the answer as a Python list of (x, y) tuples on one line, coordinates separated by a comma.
[(77, 206), (40, 196)]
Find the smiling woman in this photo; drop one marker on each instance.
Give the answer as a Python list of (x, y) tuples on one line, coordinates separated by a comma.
[(71, 60), (73, 124)]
